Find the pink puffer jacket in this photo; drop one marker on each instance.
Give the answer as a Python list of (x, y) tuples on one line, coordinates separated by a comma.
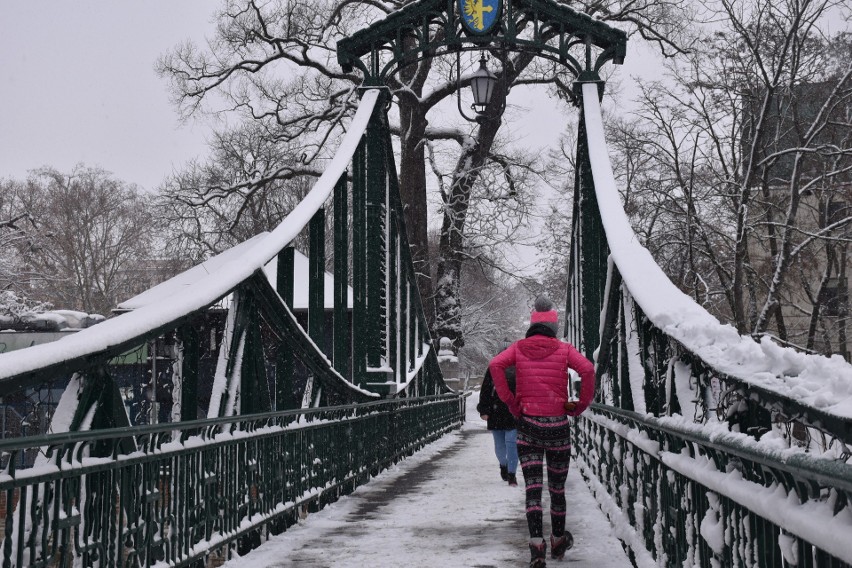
[(541, 371)]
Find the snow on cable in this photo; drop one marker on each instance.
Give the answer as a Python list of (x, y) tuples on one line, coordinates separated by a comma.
[(210, 282), (821, 382)]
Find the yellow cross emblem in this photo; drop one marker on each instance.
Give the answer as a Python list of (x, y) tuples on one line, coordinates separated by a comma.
[(474, 11)]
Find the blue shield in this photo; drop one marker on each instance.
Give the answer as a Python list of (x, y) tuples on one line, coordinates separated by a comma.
[(479, 16)]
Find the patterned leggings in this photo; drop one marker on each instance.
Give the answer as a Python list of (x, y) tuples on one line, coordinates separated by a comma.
[(540, 437)]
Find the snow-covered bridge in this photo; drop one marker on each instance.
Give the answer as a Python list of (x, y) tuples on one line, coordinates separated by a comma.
[(444, 506), (219, 409)]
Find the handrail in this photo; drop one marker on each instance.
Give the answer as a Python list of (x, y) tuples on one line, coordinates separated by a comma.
[(756, 496), (193, 488), (827, 471), (150, 429)]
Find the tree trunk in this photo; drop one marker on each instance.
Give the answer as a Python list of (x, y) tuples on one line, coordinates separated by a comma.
[(412, 186), (456, 204), (782, 259), (412, 176)]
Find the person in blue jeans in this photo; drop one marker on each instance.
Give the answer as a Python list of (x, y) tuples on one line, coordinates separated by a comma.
[(501, 423)]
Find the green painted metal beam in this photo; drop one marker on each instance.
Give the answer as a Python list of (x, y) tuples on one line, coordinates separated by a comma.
[(254, 387), (376, 246), (285, 363), (283, 323), (316, 279), (623, 379), (316, 294), (593, 249), (342, 342), (359, 263), (190, 343), (607, 356)]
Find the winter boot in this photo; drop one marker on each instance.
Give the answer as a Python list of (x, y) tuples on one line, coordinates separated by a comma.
[(538, 554), (504, 472), (512, 479), (558, 546)]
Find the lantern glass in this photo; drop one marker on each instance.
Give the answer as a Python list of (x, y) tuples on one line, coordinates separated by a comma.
[(482, 84)]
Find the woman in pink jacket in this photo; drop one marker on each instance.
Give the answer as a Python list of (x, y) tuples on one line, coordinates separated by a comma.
[(541, 404)]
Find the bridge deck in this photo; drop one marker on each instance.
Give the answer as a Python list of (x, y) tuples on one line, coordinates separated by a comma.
[(445, 506)]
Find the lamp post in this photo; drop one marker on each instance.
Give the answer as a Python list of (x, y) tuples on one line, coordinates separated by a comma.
[(482, 85)]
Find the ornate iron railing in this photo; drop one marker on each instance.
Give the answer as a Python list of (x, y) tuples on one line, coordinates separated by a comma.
[(189, 488), (716, 498), (688, 469)]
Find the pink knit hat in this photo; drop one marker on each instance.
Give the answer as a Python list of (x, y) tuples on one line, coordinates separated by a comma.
[(549, 316), (544, 312)]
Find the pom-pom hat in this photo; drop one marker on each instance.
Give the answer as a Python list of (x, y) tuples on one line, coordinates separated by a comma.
[(544, 313)]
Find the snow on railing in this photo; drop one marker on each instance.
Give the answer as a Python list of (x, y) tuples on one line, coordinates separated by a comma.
[(178, 298), (231, 469), (823, 383)]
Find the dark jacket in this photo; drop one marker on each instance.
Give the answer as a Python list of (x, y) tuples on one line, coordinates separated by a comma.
[(499, 417)]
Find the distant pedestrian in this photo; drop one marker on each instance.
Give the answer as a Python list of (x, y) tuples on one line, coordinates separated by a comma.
[(540, 402), (501, 423)]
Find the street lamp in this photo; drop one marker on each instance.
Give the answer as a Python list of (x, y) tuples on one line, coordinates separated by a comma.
[(482, 85)]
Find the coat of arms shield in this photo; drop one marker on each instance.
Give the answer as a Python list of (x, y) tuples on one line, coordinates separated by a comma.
[(479, 16)]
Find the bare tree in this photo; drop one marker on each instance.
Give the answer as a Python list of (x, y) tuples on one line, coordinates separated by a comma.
[(745, 152), (495, 310), (209, 206), (91, 231), (17, 227)]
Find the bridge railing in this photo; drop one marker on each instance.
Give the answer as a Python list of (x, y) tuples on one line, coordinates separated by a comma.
[(691, 414), (259, 328), (190, 488), (703, 496)]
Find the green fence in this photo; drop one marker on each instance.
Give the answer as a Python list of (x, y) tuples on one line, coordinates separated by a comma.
[(191, 488), (713, 498)]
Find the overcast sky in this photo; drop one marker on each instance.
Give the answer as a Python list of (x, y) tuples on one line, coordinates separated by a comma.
[(78, 85)]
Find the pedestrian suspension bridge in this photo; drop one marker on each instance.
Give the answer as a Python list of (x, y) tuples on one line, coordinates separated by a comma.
[(250, 406)]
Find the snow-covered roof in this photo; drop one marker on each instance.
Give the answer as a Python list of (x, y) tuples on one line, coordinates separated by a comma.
[(52, 320), (821, 382)]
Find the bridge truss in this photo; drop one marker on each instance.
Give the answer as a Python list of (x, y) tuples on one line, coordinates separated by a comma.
[(269, 407)]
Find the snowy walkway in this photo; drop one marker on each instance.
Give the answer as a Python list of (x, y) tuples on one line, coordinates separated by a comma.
[(443, 507)]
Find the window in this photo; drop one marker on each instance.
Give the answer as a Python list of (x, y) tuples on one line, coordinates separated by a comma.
[(835, 298)]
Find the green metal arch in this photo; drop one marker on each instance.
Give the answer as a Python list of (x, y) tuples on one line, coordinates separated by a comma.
[(549, 29)]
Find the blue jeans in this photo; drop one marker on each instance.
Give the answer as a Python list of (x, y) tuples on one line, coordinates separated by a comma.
[(506, 448)]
